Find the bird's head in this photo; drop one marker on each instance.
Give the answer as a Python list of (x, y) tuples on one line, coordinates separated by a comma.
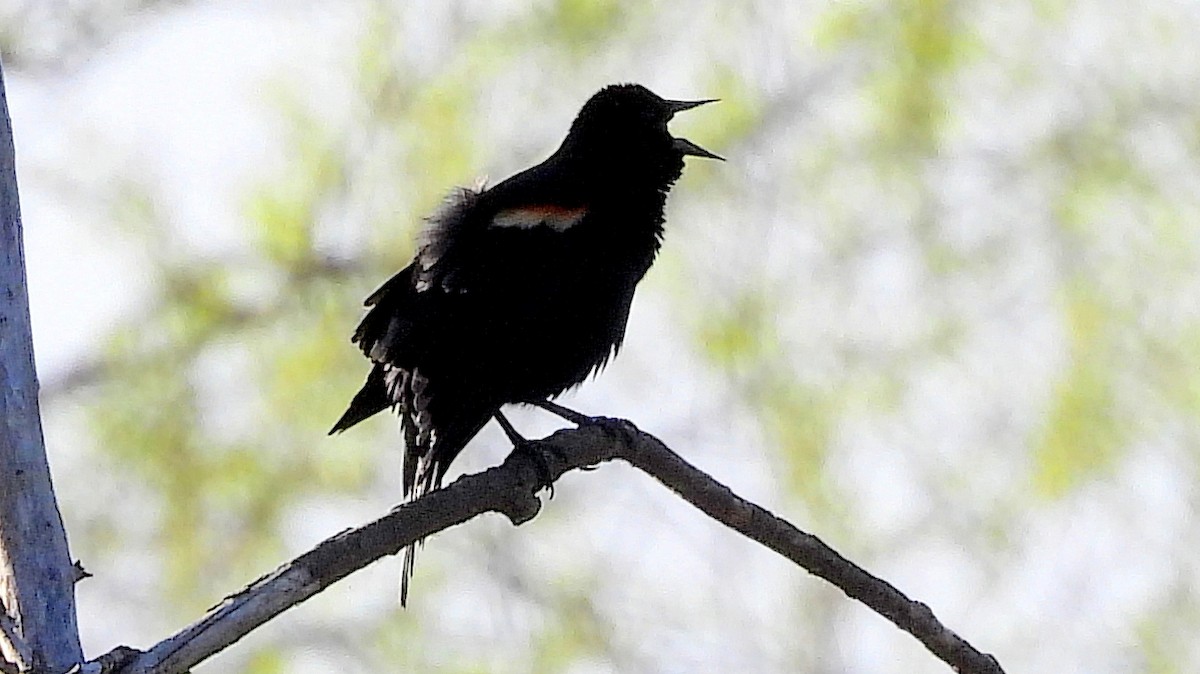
[(623, 127)]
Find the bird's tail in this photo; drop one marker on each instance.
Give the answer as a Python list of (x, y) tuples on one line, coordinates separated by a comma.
[(370, 400), (429, 445), (428, 455)]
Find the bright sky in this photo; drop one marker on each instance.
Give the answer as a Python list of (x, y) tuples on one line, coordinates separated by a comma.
[(185, 101)]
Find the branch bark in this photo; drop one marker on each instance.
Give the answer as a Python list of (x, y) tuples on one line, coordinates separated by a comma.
[(36, 578), (511, 489)]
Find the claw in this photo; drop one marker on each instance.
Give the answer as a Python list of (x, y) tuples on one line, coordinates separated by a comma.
[(618, 429), (537, 451)]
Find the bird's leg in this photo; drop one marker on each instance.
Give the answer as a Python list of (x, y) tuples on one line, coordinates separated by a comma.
[(531, 448), (506, 425), (564, 412), (615, 427)]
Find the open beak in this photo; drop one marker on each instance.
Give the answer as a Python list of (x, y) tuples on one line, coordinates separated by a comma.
[(684, 145), (687, 147)]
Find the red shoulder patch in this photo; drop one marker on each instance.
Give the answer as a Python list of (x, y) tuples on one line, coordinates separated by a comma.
[(558, 218)]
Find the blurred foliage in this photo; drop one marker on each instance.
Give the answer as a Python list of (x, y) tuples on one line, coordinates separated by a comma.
[(50, 36), (741, 340), (851, 130), (916, 46), (1083, 430), (577, 25)]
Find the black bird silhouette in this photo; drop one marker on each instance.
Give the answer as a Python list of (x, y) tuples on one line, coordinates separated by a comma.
[(519, 291)]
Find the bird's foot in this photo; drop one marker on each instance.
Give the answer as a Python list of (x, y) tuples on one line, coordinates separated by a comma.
[(541, 453), (619, 429)]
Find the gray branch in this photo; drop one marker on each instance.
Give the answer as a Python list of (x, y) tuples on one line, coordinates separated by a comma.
[(511, 489), (36, 577)]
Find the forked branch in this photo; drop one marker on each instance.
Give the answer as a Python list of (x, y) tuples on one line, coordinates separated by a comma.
[(511, 489)]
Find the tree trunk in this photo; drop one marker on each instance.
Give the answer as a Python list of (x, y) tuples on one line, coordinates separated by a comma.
[(37, 582)]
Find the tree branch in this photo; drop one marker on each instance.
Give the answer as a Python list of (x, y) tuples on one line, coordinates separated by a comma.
[(650, 455), (36, 578), (510, 489)]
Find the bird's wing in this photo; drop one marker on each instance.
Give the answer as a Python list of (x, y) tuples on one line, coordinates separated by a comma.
[(444, 246), (386, 331), (476, 235)]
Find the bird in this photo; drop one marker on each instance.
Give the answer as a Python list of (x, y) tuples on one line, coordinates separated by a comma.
[(520, 291)]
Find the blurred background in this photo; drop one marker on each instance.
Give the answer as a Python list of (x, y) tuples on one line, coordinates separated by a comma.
[(941, 307)]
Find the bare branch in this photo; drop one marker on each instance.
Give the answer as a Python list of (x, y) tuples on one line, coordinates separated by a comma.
[(510, 489), (717, 501), (36, 580)]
